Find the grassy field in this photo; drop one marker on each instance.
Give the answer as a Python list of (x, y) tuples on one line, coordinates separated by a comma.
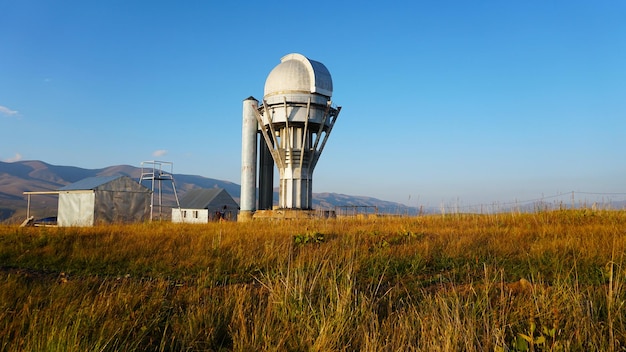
[(547, 281)]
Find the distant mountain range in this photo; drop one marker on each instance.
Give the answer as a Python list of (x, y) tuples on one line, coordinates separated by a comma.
[(33, 175)]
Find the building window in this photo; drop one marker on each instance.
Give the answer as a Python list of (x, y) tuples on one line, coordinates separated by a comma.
[(184, 214), (195, 214)]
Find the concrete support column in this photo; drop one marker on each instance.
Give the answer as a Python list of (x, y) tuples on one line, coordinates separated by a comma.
[(249, 128), (266, 176)]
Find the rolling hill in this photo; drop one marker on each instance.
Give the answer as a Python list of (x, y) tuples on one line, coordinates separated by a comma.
[(33, 175)]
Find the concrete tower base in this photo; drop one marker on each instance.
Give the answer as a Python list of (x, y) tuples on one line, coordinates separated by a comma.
[(245, 216), (288, 214)]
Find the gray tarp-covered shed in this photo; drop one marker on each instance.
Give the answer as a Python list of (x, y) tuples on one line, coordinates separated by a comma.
[(204, 205), (105, 199)]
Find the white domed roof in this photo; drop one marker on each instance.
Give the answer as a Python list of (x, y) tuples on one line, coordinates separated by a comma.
[(298, 74)]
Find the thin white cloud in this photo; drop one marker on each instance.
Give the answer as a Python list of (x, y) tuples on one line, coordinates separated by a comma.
[(15, 158), (159, 152), (6, 111)]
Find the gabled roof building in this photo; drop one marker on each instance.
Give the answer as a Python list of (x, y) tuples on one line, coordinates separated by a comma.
[(103, 199), (204, 205)]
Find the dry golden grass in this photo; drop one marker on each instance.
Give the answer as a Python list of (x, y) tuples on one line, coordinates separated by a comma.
[(549, 281)]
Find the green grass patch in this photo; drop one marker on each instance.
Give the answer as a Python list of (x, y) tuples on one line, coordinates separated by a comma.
[(550, 281)]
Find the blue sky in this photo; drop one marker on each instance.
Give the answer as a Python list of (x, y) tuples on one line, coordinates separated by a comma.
[(442, 101)]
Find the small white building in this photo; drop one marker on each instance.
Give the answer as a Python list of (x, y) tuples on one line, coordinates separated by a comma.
[(204, 205), (105, 199)]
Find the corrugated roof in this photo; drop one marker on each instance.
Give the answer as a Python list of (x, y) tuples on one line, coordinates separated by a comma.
[(199, 198), (89, 183)]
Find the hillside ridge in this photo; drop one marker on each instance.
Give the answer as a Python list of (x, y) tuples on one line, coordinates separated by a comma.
[(35, 175)]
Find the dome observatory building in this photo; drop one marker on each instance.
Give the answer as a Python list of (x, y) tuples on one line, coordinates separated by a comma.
[(288, 129)]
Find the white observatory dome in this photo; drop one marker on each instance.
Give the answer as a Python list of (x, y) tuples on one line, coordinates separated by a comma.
[(298, 74)]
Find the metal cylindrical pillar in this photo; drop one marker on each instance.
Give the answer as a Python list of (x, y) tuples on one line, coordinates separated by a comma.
[(249, 128), (266, 177)]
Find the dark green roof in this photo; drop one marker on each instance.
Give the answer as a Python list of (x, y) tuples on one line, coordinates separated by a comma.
[(201, 198)]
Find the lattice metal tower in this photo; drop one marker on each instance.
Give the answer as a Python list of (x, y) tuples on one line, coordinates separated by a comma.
[(154, 172)]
